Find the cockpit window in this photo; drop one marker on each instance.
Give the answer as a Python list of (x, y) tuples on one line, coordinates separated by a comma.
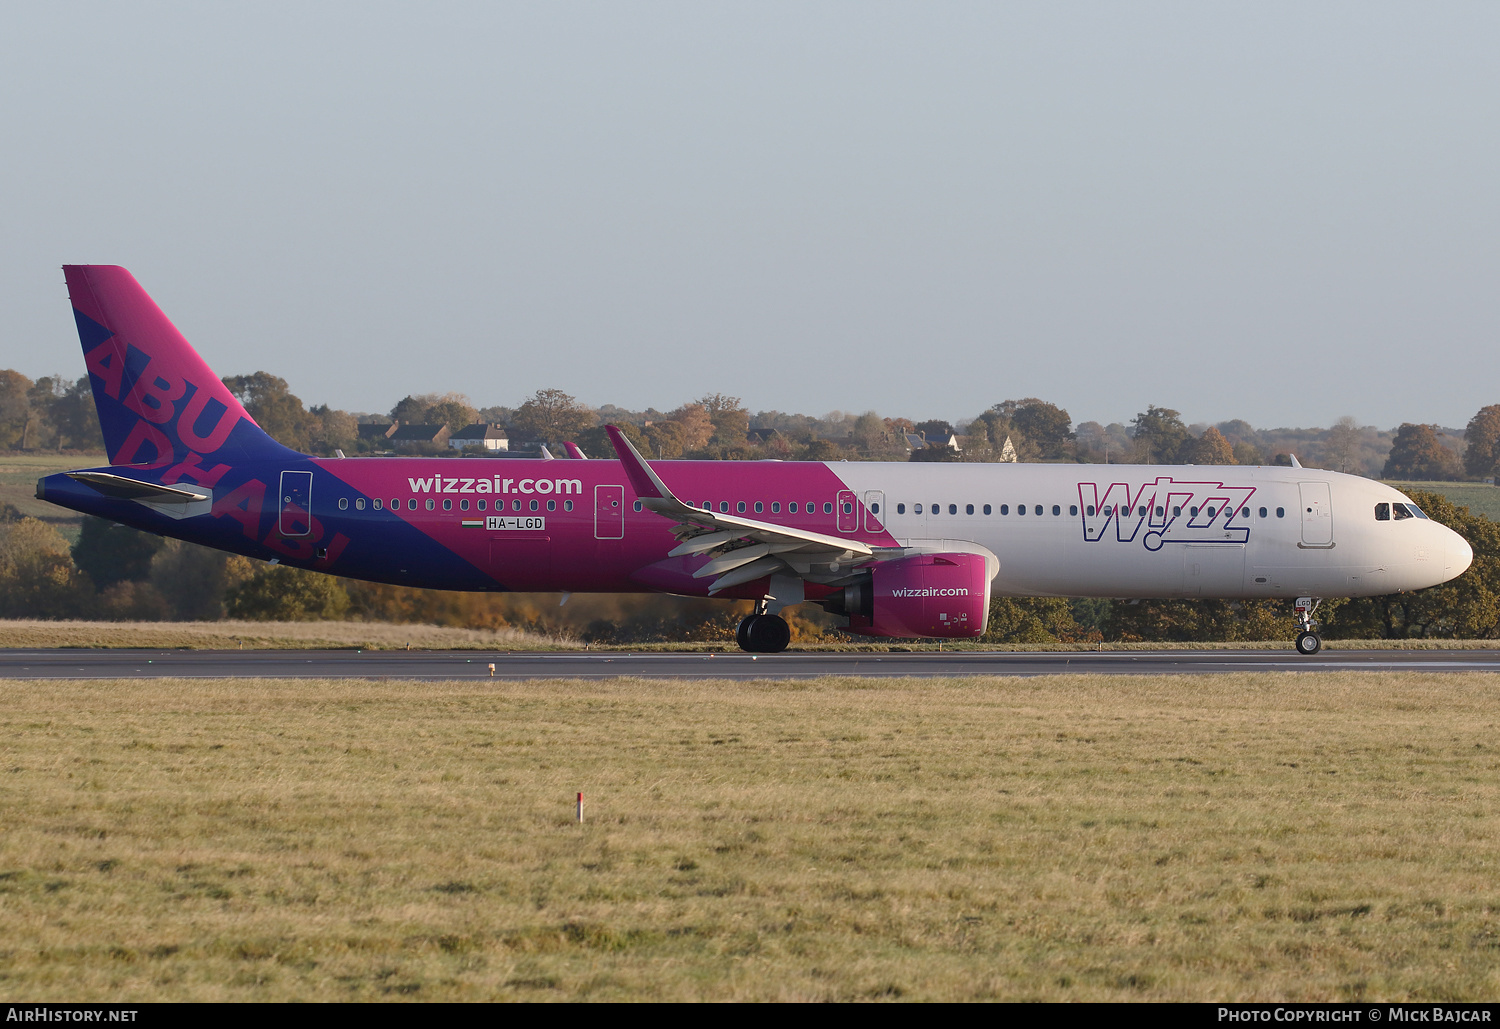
[(1414, 509), (1401, 511), (1382, 512)]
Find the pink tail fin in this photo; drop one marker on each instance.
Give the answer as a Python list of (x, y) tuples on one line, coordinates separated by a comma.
[(159, 404)]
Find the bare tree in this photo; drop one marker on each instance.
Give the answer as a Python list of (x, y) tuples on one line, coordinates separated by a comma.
[(1343, 442)]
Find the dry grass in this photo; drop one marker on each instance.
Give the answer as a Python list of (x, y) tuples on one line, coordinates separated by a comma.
[(1315, 837), (231, 635)]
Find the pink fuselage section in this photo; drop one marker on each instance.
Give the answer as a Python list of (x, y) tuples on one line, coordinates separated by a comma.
[(572, 525)]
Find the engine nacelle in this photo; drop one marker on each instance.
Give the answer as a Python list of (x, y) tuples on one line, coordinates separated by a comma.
[(943, 595)]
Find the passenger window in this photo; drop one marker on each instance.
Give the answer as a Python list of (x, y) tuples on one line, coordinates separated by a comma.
[(934, 508), (874, 508), (740, 507), (1211, 513), (901, 509), (723, 507), (431, 504), (1072, 509), (411, 505), (917, 508), (968, 509), (848, 508), (1038, 509), (1005, 509), (1057, 510), (359, 503), (533, 505), (1090, 510), (953, 509), (447, 505), (827, 507), (1020, 509), (792, 507), (776, 507), (1177, 511), (551, 505), (759, 507), (1263, 512), (636, 505), (1400, 511), (343, 503), (1141, 512), (478, 504), (463, 505), (376, 503), (1160, 510), (515, 505), (986, 509), (1281, 512), (567, 505)]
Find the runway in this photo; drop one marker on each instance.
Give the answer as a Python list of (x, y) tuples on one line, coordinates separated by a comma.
[(339, 664)]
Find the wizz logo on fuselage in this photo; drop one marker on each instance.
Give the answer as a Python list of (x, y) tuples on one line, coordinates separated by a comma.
[(1165, 511)]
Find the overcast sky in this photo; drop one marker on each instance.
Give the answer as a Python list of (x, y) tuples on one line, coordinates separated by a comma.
[(1277, 212)]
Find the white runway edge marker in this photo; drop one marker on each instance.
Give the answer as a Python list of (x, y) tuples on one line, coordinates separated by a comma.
[(580, 809)]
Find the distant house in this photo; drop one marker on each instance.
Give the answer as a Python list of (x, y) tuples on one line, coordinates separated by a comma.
[(490, 436), (375, 430), (919, 441), (409, 434)]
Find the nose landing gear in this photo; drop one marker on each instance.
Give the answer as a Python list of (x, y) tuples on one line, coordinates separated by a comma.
[(1308, 641), (763, 634)]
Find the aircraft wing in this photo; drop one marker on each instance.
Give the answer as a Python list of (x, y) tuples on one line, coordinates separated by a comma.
[(742, 549)]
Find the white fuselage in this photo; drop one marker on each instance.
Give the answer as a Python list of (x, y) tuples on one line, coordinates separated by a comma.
[(1164, 530)]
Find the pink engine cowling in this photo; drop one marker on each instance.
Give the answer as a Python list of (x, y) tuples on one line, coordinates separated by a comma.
[(944, 595)]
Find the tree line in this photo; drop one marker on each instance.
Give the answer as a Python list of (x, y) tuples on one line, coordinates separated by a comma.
[(114, 572), (54, 413)]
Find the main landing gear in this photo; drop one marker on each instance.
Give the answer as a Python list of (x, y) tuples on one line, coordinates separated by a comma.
[(763, 634), (1308, 641)]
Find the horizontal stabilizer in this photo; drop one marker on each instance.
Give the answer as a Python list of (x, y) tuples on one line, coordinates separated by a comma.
[(133, 489)]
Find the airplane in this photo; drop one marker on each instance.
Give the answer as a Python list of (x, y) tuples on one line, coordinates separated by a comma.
[(897, 549)]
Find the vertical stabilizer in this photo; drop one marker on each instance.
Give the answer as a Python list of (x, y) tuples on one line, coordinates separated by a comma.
[(160, 405)]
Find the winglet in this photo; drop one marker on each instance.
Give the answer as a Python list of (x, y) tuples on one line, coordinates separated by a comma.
[(574, 452), (645, 482)]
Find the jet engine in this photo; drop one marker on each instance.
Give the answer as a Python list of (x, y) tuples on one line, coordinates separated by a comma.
[(943, 595)]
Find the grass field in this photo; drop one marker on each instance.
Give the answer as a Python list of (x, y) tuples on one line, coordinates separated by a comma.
[(1316, 837), (19, 473)]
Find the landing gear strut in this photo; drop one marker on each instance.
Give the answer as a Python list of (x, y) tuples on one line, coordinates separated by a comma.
[(1308, 641), (763, 634)]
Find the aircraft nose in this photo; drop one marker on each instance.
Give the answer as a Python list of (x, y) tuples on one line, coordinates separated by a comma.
[(1460, 556)]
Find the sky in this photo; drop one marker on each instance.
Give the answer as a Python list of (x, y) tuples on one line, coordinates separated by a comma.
[(1281, 212)]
